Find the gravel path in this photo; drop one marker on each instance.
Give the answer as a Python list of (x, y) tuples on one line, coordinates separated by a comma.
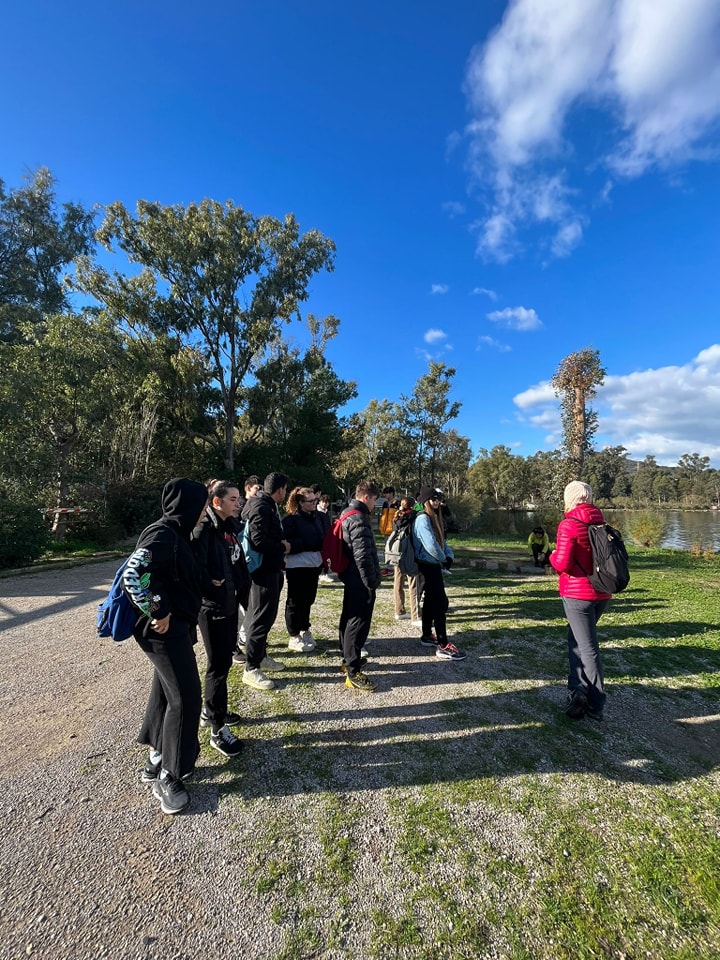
[(90, 867)]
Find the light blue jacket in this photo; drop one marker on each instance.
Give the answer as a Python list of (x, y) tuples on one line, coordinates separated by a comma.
[(427, 548)]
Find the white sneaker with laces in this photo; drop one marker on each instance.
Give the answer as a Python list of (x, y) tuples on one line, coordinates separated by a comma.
[(309, 640), (402, 616), (297, 644), (257, 679)]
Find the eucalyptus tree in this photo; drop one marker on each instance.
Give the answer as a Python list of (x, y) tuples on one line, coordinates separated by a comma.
[(38, 239), (500, 476), (692, 475), (607, 472), (426, 414), (575, 382), (215, 276)]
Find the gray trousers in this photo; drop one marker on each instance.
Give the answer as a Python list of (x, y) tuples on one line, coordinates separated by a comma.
[(586, 673)]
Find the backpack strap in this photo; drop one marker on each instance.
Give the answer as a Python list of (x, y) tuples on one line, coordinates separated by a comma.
[(587, 527)]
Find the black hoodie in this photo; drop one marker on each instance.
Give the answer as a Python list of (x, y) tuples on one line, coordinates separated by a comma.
[(162, 575)]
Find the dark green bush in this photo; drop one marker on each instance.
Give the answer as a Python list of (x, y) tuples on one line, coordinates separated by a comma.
[(24, 533)]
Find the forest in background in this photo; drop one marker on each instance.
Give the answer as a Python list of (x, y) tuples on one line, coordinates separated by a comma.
[(136, 346)]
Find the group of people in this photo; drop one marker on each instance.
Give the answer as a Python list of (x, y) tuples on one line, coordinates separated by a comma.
[(189, 570)]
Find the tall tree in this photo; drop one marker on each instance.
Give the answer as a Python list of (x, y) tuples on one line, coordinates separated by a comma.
[(37, 240), (575, 382), (426, 413), (605, 469), (212, 274)]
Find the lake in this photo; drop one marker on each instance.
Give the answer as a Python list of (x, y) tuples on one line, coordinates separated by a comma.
[(692, 528)]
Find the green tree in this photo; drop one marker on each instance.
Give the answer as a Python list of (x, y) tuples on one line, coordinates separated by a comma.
[(575, 382), (37, 240), (453, 460), (292, 421), (500, 476), (215, 276), (54, 400), (426, 414), (692, 473), (605, 469), (644, 478)]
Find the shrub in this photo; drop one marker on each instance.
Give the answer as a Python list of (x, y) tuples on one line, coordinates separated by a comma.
[(24, 533), (647, 528)]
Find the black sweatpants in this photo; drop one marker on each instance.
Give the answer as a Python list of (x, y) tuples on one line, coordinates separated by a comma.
[(219, 636), (261, 614), (302, 586), (172, 715), (355, 620)]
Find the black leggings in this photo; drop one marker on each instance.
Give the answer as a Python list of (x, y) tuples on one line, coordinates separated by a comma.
[(435, 601), (302, 585)]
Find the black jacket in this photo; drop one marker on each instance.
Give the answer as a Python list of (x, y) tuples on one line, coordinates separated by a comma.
[(265, 531), (162, 575), (303, 531), (357, 534), (220, 557)]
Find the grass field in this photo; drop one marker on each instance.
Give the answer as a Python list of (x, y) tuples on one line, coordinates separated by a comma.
[(458, 813)]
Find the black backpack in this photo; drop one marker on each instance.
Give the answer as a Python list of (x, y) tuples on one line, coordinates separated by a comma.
[(610, 572)]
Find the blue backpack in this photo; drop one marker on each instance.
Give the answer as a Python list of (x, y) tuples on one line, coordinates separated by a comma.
[(253, 557), (116, 616)]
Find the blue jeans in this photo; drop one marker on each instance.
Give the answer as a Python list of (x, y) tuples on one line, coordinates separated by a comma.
[(586, 673)]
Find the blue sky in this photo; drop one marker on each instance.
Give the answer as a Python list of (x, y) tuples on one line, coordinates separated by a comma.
[(506, 182)]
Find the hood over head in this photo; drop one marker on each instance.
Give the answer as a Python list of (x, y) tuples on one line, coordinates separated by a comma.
[(183, 501)]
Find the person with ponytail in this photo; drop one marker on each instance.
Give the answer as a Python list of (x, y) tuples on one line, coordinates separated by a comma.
[(433, 555)]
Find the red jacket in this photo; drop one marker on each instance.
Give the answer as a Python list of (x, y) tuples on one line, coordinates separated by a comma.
[(572, 557)]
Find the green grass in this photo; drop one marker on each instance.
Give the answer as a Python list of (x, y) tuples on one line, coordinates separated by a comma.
[(481, 821)]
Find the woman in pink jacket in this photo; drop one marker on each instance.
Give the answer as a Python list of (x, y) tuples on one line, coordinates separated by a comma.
[(584, 605)]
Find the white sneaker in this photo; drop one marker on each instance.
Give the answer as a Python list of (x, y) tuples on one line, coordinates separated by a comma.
[(297, 644), (309, 640), (272, 666), (402, 616), (257, 679), (416, 623), (325, 578), (364, 653)]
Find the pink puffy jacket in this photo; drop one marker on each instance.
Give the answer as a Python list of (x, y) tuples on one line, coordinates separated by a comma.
[(572, 557)]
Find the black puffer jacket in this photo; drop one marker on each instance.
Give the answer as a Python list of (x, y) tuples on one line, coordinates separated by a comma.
[(162, 575), (265, 532), (219, 555), (357, 534)]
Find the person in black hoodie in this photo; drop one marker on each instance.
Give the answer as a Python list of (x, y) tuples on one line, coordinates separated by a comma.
[(223, 574), (162, 580), (266, 536)]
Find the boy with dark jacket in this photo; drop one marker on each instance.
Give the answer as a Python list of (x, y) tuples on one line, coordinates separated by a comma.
[(361, 579), (162, 580), (266, 536)]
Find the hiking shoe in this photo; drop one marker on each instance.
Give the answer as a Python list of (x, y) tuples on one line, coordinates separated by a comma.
[(308, 640), (428, 642), (402, 616), (226, 742), (171, 793), (360, 682), (272, 666), (576, 705), (257, 679), (231, 719), (448, 651), (151, 771), (297, 644)]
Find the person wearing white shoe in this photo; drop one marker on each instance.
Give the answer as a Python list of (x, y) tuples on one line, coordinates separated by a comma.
[(304, 532), (266, 536)]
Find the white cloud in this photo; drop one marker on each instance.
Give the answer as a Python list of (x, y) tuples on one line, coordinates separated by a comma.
[(515, 318), (483, 291), (493, 344), (439, 288), (453, 209), (662, 412), (434, 336), (653, 66)]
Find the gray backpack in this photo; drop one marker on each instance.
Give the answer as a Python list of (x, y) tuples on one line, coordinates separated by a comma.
[(399, 550)]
